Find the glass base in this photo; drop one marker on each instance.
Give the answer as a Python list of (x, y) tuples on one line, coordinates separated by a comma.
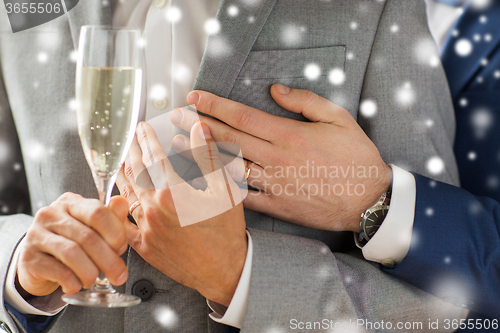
[(101, 299)]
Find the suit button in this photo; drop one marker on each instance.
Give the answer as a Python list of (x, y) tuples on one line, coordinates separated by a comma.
[(4, 328), (160, 103), (143, 289)]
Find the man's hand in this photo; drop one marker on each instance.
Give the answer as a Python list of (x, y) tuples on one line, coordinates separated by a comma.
[(70, 241), (321, 174), (207, 256)]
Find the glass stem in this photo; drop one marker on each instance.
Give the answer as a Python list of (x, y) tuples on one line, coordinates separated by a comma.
[(104, 188)]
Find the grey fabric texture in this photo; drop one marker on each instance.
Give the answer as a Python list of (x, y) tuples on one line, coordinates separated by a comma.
[(294, 273)]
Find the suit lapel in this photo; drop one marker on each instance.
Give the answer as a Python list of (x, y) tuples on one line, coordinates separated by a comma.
[(461, 70), (227, 51), (88, 12)]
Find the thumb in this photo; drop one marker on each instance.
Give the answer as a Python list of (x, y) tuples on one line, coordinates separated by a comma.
[(119, 206), (313, 107)]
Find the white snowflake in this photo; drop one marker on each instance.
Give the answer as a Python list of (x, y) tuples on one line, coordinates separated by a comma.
[(435, 165), (49, 40), (42, 57), (17, 166), (426, 51), (353, 25), (455, 33), (219, 48), (368, 108), (463, 47), (394, 28), (483, 19), (73, 56), (166, 317), (480, 79), (477, 37), (35, 151), (158, 91), (336, 76), (496, 74), (233, 11), (312, 72), (429, 123), (484, 62), (324, 272), (247, 82), (251, 19), (493, 182), (291, 35), (142, 42), (447, 260), (434, 61), (212, 26), (429, 211), (463, 102), (472, 156), (173, 14), (350, 56), (480, 4), (181, 73), (487, 38), (405, 95), (73, 104), (482, 120)]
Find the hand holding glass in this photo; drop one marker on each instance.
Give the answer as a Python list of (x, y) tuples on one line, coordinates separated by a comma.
[(108, 93)]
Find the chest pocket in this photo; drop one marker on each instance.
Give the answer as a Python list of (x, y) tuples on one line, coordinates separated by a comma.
[(262, 69)]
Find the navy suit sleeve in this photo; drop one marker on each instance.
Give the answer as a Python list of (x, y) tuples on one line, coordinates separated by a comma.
[(31, 323), (455, 247)]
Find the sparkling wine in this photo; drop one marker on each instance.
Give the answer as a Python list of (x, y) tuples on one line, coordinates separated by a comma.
[(108, 109)]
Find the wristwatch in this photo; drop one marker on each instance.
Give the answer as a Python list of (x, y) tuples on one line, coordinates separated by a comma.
[(372, 219)]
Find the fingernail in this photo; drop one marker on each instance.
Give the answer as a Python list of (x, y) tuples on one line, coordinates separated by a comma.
[(122, 278), (193, 98), (140, 126), (178, 143), (284, 90), (204, 131), (176, 117)]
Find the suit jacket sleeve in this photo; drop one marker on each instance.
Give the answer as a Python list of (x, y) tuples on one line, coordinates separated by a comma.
[(455, 250), (300, 279), (12, 229)]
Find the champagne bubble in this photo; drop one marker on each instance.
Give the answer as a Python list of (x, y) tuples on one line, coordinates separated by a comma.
[(106, 112), (108, 103), (118, 143), (110, 126)]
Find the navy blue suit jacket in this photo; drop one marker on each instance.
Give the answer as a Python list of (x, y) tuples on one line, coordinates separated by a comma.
[(455, 249)]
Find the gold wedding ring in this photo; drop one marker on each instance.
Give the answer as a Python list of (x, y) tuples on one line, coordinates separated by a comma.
[(248, 169), (133, 207)]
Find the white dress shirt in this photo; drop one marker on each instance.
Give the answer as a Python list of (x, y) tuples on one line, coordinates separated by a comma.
[(173, 50)]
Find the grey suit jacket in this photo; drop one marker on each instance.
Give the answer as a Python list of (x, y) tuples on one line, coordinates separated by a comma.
[(296, 273)]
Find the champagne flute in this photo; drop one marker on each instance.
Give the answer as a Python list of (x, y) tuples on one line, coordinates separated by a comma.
[(108, 93)]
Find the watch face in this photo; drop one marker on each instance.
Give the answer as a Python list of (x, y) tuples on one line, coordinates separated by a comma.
[(374, 220)]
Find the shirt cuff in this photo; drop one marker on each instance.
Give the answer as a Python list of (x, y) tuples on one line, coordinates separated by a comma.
[(235, 313), (49, 305), (390, 245)]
